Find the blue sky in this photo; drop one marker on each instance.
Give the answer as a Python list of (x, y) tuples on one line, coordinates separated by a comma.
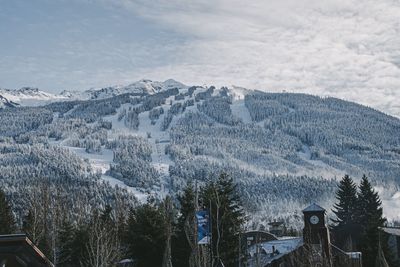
[(343, 48), (58, 45)]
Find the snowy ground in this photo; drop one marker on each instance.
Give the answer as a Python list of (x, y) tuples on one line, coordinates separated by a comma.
[(239, 110), (100, 163), (142, 197), (320, 167)]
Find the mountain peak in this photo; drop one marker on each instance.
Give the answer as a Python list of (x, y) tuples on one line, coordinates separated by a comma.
[(143, 86), (28, 90), (29, 96)]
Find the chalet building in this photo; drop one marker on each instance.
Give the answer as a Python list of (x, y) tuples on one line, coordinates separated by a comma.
[(314, 249), (392, 235), (19, 251)]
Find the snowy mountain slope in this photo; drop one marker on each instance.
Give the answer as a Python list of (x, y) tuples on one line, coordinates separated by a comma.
[(28, 96), (284, 150), (141, 87)]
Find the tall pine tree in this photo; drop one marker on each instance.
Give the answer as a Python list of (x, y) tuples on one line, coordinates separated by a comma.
[(370, 218), (7, 221), (345, 229)]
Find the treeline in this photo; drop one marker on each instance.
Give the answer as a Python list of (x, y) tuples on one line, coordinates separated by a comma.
[(356, 226), (132, 162), (151, 234)]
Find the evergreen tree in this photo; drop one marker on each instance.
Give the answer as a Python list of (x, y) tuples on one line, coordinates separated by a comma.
[(181, 249), (7, 221), (146, 234), (344, 226), (67, 244), (370, 218), (227, 217)]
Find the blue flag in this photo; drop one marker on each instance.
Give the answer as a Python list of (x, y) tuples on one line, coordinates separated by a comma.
[(203, 227)]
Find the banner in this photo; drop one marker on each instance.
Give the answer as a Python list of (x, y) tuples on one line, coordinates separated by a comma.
[(203, 227)]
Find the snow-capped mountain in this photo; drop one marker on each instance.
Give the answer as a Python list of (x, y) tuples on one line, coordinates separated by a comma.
[(284, 150), (29, 96), (144, 86)]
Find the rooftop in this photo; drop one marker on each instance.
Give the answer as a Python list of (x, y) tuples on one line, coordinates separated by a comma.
[(20, 244), (391, 230), (275, 249), (313, 207)]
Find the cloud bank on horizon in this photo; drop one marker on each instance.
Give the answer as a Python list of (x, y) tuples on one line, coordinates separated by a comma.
[(342, 48)]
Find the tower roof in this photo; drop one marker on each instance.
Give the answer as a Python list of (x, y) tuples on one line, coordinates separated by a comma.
[(313, 207)]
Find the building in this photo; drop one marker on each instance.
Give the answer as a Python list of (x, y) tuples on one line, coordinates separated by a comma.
[(19, 251), (255, 237), (392, 235), (277, 228), (314, 249)]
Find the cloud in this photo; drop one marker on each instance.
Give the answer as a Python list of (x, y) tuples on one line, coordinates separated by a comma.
[(347, 49)]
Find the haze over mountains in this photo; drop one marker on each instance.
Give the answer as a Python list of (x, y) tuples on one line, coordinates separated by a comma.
[(284, 150)]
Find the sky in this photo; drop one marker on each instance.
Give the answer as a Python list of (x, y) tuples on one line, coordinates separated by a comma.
[(343, 48)]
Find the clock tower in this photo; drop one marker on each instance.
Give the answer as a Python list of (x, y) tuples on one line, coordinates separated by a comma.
[(316, 236)]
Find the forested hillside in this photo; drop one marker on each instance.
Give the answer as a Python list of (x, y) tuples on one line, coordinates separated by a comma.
[(284, 150)]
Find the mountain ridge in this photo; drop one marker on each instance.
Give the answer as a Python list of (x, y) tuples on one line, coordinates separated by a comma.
[(32, 96)]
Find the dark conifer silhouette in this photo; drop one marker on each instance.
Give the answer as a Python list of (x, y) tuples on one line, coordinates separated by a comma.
[(344, 226), (370, 218), (7, 221)]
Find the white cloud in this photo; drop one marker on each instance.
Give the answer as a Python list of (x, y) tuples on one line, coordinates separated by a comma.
[(348, 49)]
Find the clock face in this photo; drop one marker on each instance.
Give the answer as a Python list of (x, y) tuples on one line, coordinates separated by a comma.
[(314, 219)]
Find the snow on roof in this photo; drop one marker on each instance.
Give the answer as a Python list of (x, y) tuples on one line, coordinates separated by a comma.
[(391, 230), (313, 207), (126, 261), (274, 249)]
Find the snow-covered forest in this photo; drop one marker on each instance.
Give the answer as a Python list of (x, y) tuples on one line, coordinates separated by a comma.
[(284, 150)]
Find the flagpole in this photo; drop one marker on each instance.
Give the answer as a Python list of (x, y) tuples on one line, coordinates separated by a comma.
[(211, 235)]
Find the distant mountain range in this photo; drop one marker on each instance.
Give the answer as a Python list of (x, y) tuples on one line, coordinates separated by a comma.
[(30, 96), (284, 150)]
